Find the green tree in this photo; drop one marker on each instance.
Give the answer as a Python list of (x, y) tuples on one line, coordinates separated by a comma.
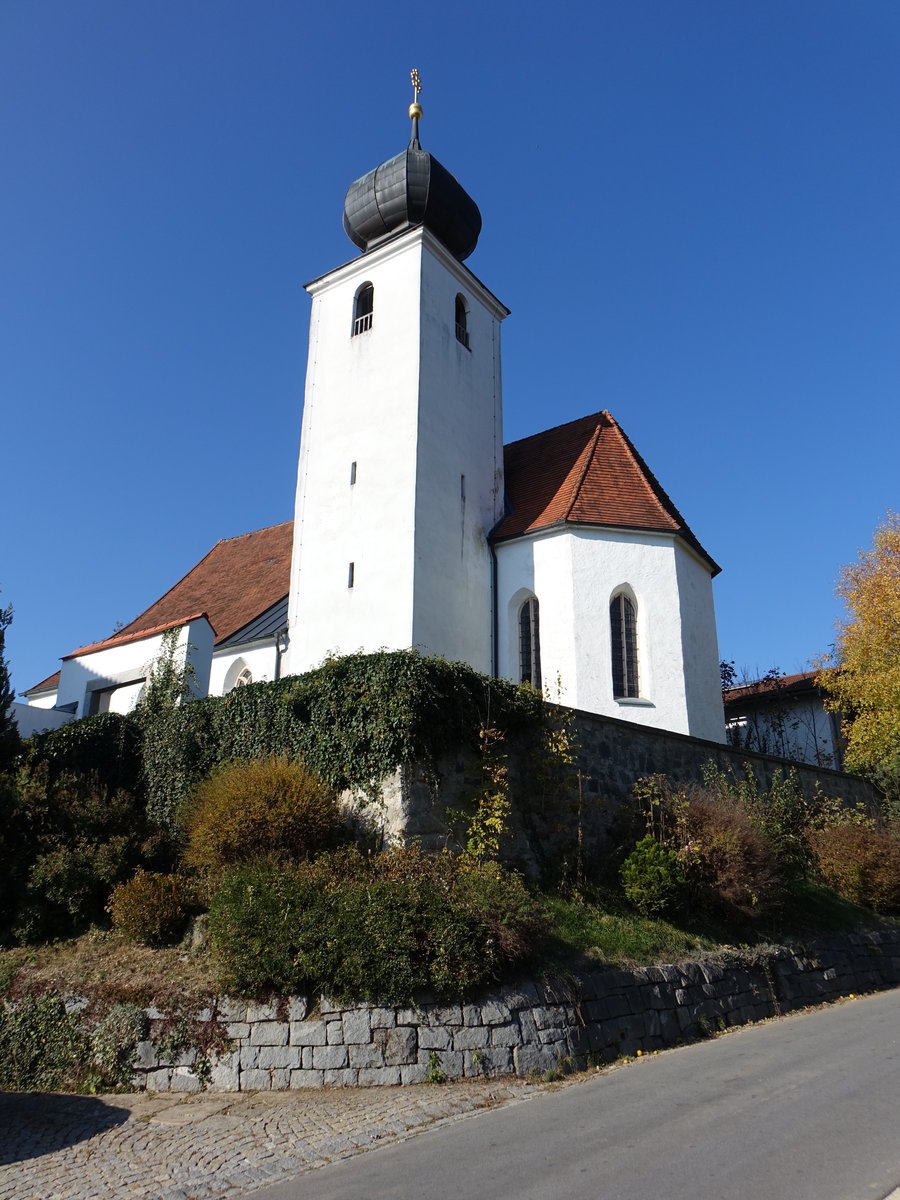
[(9, 734), (862, 675)]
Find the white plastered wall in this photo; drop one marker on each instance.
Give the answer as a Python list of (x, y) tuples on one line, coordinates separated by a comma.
[(228, 662), (700, 648), (414, 411), (574, 573), (459, 467), (125, 667), (31, 719)]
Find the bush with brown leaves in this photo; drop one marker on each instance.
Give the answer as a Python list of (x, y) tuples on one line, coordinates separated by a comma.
[(861, 861)]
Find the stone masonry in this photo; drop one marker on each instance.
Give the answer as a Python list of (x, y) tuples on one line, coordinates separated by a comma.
[(611, 755), (525, 1029)]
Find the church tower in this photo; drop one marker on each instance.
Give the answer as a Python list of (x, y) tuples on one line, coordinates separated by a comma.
[(400, 478)]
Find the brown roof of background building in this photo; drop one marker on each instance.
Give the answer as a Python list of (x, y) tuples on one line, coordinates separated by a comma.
[(586, 472), (46, 685), (772, 688)]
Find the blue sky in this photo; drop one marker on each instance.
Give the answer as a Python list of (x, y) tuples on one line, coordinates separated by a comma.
[(690, 206)]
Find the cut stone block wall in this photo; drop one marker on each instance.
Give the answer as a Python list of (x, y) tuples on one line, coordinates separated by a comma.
[(521, 1029)]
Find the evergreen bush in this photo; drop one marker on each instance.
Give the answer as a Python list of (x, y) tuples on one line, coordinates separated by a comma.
[(71, 841), (106, 747), (652, 878), (378, 928)]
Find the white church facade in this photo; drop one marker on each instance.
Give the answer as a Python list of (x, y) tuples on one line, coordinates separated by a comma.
[(557, 560)]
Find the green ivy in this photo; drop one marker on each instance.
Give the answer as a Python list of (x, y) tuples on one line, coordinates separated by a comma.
[(352, 721), (108, 745), (42, 1047)]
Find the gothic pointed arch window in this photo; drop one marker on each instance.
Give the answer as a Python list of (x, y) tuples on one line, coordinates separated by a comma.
[(462, 320), (530, 643), (623, 638), (363, 309)]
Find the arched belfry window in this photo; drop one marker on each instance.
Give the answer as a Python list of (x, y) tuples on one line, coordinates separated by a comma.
[(462, 321), (363, 308), (623, 636), (530, 643)]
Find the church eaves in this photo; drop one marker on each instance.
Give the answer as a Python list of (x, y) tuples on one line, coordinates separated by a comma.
[(586, 472)]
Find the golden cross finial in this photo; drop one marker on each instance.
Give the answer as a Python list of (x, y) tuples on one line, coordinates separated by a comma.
[(415, 109)]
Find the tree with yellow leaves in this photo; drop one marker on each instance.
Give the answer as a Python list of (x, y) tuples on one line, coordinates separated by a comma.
[(862, 676)]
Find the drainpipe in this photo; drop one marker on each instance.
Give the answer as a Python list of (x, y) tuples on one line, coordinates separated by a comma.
[(495, 656), (280, 647)]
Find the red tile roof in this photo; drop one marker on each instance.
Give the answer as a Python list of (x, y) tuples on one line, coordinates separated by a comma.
[(236, 581), (239, 578), (123, 639), (586, 472)]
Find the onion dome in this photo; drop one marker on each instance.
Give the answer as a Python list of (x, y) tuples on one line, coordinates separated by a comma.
[(411, 189)]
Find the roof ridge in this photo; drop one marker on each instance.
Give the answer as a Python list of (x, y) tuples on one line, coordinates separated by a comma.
[(662, 496), (251, 533), (576, 491), (553, 428)]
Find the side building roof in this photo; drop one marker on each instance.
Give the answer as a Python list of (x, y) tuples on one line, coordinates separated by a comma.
[(240, 578), (586, 472)]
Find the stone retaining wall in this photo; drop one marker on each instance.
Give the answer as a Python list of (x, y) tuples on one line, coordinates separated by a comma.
[(611, 755), (596, 1018)]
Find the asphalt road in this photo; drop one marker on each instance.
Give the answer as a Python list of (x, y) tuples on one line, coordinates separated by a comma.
[(806, 1108)]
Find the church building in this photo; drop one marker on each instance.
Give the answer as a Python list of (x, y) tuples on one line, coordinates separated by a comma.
[(558, 559)]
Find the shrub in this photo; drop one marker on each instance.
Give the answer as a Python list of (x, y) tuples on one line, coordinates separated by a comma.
[(42, 1047), (652, 878), (114, 1042), (730, 865), (727, 860), (68, 888), (69, 842), (377, 929), (861, 861), (270, 808), (106, 746), (781, 812), (151, 908)]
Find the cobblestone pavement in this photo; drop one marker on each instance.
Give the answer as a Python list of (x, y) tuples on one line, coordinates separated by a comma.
[(200, 1147)]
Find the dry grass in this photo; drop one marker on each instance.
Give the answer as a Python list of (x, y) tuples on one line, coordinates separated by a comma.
[(105, 968)]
